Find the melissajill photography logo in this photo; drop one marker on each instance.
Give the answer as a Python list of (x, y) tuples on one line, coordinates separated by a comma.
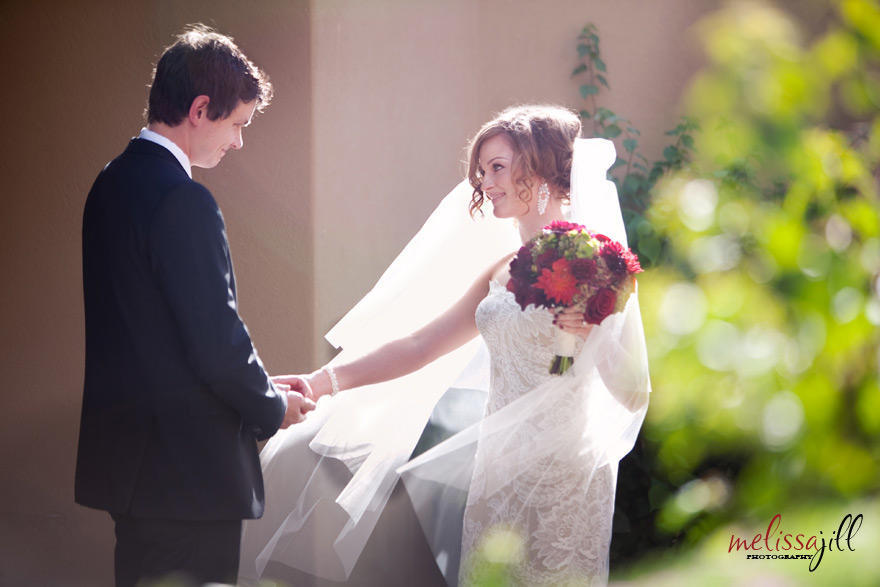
[(778, 544)]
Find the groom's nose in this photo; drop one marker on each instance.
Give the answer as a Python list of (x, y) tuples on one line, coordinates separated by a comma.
[(238, 143)]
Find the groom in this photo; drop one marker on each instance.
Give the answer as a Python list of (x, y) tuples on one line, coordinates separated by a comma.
[(175, 396)]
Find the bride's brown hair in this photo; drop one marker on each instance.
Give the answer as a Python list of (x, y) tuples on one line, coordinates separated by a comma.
[(543, 139)]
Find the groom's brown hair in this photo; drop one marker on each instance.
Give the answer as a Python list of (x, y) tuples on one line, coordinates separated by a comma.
[(204, 62)]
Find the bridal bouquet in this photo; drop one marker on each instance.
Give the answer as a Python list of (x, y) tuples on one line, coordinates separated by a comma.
[(569, 266)]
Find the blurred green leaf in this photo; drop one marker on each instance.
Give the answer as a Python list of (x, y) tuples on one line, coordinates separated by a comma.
[(671, 153), (589, 90), (612, 131)]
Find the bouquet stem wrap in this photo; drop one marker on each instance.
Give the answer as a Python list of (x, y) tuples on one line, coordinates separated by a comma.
[(565, 348)]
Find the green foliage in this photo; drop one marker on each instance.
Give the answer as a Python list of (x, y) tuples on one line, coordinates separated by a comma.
[(762, 320), (761, 307), (633, 174)]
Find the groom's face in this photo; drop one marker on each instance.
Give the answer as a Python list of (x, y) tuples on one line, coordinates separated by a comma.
[(213, 138)]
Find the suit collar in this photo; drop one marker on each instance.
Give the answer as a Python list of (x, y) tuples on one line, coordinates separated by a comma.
[(175, 149), (146, 147)]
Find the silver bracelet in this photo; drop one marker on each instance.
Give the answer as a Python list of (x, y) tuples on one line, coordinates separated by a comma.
[(334, 383)]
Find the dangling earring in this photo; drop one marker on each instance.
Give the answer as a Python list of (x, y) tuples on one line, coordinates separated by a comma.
[(543, 197)]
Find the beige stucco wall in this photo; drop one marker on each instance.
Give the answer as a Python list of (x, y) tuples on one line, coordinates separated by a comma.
[(375, 101)]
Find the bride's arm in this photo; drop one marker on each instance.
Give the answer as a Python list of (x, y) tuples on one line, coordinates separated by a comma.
[(399, 357)]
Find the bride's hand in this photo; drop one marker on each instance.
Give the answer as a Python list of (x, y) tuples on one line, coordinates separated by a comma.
[(320, 383), (572, 320), (314, 386), (297, 383)]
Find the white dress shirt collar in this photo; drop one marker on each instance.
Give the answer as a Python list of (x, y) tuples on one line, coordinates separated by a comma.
[(170, 145)]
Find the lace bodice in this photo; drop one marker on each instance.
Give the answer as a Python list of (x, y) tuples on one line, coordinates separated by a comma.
[(560, 507), (520, 345)]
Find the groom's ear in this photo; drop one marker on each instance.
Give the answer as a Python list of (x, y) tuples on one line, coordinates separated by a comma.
[(198, 110)]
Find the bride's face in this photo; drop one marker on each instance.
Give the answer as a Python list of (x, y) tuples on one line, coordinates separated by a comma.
[(495, 160)]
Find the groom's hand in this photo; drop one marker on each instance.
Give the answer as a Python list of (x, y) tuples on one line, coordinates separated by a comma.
[(297, 405)]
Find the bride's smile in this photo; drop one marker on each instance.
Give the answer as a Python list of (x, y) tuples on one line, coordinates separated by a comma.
[(495, 161)]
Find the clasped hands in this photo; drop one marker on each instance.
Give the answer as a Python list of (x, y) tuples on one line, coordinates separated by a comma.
[(298, 403), (302, 393)]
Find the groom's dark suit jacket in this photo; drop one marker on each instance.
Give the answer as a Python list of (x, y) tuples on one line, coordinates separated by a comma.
[(175, 395)]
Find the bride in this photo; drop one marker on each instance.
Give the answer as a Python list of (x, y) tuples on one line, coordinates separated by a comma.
[(541, 464)]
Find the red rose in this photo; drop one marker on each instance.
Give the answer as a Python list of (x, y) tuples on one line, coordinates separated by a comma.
[(600, 305)]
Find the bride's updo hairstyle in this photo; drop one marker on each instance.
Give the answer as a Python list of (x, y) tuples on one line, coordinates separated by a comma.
[(543, 139)]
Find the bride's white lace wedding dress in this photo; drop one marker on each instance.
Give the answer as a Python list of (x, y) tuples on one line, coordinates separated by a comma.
[(561, 505)]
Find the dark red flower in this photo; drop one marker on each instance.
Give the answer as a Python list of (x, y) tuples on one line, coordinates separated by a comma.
[(521, 265), (519, 290), (535, 296), (583, 269), (546, 259), (561, 226), (600, 305), (558, 284), (612, 254), (632, 262), (525, 294), (601, 237)]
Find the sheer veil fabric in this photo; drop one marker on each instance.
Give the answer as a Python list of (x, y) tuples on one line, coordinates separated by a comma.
[(373, 430)]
